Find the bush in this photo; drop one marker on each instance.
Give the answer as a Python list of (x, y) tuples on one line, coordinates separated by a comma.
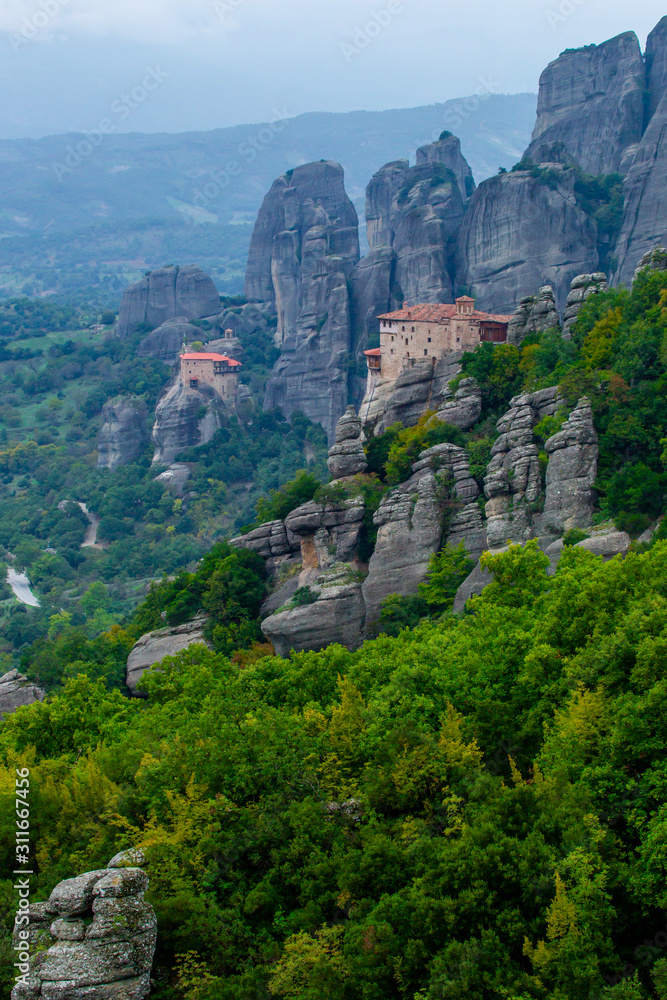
[(282, 502), (303, 596)]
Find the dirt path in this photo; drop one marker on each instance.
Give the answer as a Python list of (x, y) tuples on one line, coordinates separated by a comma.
[(90, 541), (20, 584)]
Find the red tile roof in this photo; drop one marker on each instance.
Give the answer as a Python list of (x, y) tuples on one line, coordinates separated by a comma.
[(438, 312), (375, 353), (210, 357)]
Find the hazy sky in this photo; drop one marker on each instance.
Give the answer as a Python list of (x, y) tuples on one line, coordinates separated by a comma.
[(202, 64)]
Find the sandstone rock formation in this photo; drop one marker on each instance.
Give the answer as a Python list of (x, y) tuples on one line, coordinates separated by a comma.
[(582, 287), (185, 418), (166, 342), (572, 470), (447, 152), (591, 99), (656, 66), (166, 294), (15, 691), (175, 477), (420, 387), (654, 260), (304, 247), (272, 542), (534, 314), (522, 232), (94, 938), (337, 616), (124, 434), (464, 409), (346, 457), (154, 646)]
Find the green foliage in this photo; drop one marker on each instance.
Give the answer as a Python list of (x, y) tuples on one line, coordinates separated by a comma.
[(446, 572), (304, 596), (574, 536), (392, 454), (399, 613), (286, 499), (497, 370)]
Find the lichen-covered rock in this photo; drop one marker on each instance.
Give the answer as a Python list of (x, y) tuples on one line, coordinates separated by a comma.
[(346, 456), (420, 387), (572, 470), (337, 616), (653, 260), (463, 521), (609, 545), (582, 288), (273, 543), (124, 434), (99, 948), (521, 233), (592, 100), (166, 342), (465, 408), (168, 293), (154, 646), (185, 418), (513, 480), (329, 532), (534, 314), (15, 691)]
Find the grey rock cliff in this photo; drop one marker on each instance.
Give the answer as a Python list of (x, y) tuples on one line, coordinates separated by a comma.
[(592, 100), (521, 233), (166, 342), (124, 434), (447, 152), (94, 939), (464, 408), (346, 456), (185, 418), (337, 616), (572, 470), (582, 288), (656, 66), (304, 248), (15, 691), (166, 294), (534, 314), (420, 387), (154, 646), (654, 260)]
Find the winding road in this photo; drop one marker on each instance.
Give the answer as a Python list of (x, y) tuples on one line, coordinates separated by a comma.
[(90, 541), (20, 584)]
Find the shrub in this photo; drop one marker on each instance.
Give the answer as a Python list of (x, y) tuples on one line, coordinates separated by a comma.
[(303, 596)]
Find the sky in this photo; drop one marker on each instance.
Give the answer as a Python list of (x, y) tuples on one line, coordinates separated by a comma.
[(182, 65)]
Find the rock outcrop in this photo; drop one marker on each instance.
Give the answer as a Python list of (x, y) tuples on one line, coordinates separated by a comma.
[(15, 691), (534, 314), (154, 646), (654, 260), (421, 386), (582, 288), (166, 342), (522, 232), (347, 457), (572, 470), (185, 418), (447, 152), (94, 938), (592, 100), (656, 66), (175, 477), (124, 434), (464, 408), (166, 294), (304, 247)]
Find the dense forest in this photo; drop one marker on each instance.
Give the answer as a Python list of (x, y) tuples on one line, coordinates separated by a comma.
[(468, 806)]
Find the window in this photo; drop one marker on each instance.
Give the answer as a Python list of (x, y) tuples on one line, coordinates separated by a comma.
[(413, 329), (458, 340), (425, 352), (403, 329), (194, 382), (392, 340), (392, 350), (429, 340), (406, 340)]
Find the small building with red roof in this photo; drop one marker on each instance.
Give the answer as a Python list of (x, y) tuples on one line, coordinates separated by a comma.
[(216, 370), (427, 332)]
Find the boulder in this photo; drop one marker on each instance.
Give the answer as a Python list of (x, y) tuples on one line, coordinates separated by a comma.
[(465, 408), (124, 434), (581, 289), (169, 293), (337, 616), (534, 314), (175, 477), (614, 543), (154, 646), (15, 691), (592, 100), (329, 532), (653, 260), (346, 456), (166, 342), (101, 947), (186, 418), (572, 470)]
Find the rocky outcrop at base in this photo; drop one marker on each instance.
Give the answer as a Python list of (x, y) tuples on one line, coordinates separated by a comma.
[(154, 646), (124, 434), (93, 939), (185, 418), (336, 616), (15, 691), (582, 288), (653, 260), (464, 409), (347, 456), (420, 387), (534, 314), (166, 294)]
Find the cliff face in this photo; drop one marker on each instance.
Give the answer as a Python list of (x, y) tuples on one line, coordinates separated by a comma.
[(185, 418), (304, 248), (124, 434), (656, 66), (522, 232), (166, 294), (166, 342), (592, 100)]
